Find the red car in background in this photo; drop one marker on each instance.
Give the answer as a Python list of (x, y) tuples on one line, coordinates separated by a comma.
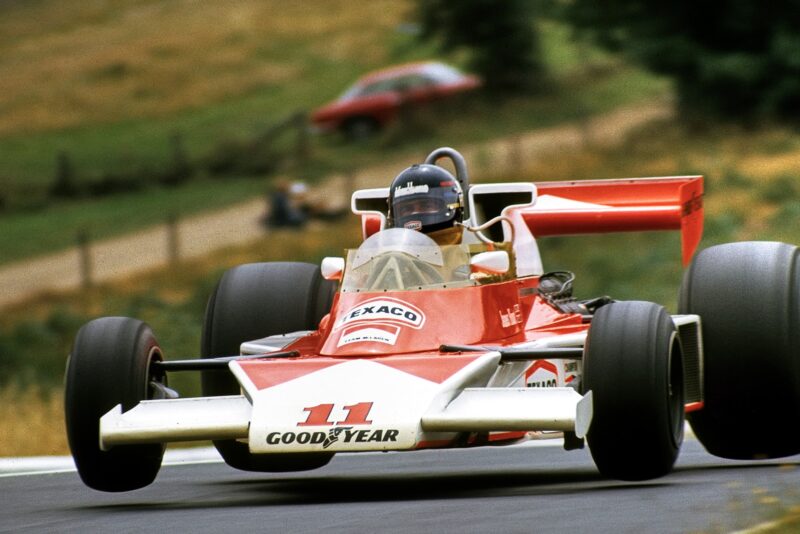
[(376, 98)]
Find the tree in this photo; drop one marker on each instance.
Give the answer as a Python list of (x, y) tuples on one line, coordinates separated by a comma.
[(500, 37), (736, 59)]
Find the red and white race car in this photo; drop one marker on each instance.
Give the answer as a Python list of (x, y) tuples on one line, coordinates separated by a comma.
[(407, 345)]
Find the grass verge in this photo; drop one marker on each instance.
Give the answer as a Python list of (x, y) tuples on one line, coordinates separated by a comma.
[(29, 234), (32, 420)]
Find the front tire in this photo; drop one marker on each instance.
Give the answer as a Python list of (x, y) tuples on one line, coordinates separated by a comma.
[(748, 298), (253, 301), (633, 366), (109, 365)]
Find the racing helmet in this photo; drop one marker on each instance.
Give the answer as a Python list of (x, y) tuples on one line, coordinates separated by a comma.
[(426, 198)]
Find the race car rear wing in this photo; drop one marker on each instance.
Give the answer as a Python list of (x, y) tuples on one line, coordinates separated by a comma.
[(622, 205), (576, 207)]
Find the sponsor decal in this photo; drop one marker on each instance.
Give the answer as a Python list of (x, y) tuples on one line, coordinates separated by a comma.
[(343, 434), (383, 310), (320, 415), (695, 203), (537, 375), (551, 383), (409, 189), (333, 436), (413, 225), (377, 333), (511, 316)]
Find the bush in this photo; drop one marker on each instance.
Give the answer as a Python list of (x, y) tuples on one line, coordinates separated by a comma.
[(780, 189), (242, 157), (64, 185), (35, 352), (111, 183), (736, 60), (500, 37)]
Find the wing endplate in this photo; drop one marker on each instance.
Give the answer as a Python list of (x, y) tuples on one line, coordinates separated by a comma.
[(621, 205)]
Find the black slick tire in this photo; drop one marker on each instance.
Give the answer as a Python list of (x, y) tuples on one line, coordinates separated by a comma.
[(748, 298), (633, 367), (253, 301), (109, 365)]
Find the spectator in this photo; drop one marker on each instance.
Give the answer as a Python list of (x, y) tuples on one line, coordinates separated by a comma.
[(283, 206)]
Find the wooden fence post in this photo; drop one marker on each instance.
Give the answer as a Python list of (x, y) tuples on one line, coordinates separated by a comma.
[(85, 253)]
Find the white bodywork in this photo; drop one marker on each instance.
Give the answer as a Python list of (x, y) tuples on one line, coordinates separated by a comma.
[(363, 404), (406, 411)]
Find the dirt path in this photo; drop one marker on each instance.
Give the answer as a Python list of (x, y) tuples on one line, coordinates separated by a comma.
[(202, 234)]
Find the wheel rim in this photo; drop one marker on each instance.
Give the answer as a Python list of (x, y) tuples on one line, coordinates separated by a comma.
[(151, 389), (675, 399)]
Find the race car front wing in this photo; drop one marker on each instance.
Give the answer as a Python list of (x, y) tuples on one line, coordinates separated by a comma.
[(401, 403)]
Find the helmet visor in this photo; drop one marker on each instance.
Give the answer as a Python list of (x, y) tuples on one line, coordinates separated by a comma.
[(419, 206)]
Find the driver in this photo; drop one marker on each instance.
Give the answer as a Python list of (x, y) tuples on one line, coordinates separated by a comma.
[(429, 199)]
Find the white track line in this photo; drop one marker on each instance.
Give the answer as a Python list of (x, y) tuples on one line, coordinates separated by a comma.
[(40, 465)]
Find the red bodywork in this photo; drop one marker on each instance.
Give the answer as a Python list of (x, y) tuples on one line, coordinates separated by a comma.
[(393, 92), (637, 204), (416, 350), (407, 328), (502, 314)]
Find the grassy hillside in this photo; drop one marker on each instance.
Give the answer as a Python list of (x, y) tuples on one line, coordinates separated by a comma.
[(111, 83), (108, 62)]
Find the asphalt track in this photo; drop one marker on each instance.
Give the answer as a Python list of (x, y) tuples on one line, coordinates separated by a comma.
[(538, 488)]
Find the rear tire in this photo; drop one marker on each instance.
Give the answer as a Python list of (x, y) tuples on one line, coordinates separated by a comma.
[(633, 367), (748, 298), (109, 365), (250, 302)]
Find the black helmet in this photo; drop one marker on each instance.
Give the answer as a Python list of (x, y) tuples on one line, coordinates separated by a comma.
[(426, 198)]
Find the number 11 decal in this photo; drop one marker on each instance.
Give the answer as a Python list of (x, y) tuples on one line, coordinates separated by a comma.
[(320, 415)]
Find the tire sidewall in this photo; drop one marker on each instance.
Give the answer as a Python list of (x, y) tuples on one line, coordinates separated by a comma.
[(633, 367), (110, 365), (748, 298)]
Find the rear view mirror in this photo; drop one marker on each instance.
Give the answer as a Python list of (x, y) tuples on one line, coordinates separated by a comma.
[(332, 268), (494, 262)]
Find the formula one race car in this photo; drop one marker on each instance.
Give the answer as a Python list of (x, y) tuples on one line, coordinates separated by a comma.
[(407, 345)]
